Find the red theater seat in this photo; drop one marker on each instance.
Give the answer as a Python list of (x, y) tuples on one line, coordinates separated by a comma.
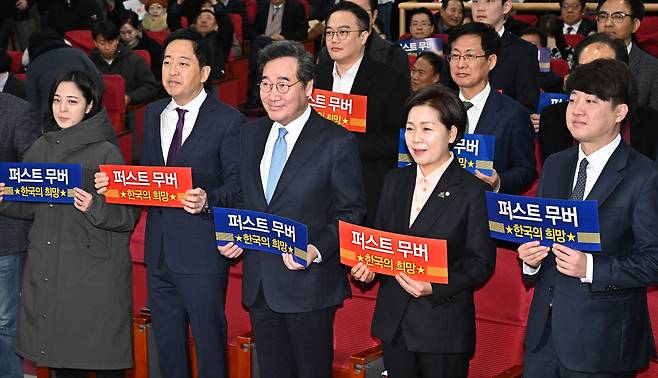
[(81, 39), (649, 43), (529, 19), (145, 55), (236, 20), (573, 40), (560, 67), (158, 36), (114, 100), (648, 26), (251, 8), (15, 57)]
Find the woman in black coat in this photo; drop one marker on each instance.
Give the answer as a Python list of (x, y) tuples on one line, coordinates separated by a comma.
[(75, 310), (133, 36), (428, 330)]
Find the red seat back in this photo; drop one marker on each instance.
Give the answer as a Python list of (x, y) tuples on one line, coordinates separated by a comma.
[(114, 100), (81, 39), (412, 60), (158, 36), (648, 26), (20, 76), (529, 19), (145, 55), (236, 20), (560, 67), (251, 8), (573, 40), (649, 43), (15, 57)]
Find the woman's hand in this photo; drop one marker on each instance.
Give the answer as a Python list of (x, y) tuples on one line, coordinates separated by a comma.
[(82, 200)]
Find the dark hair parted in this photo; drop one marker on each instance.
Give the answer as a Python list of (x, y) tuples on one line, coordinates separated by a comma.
[(288, 49), (374, 5), (534, 31), (608, 79), (446, 103), (199, 44), (617, 45), (489, 39), (362, 18), (106, 29), (86, 85), (637, 8), (434, 60), (582, 3), (129, 17)]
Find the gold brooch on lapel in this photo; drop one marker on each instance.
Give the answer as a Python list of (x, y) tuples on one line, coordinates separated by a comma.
[(444, 194)]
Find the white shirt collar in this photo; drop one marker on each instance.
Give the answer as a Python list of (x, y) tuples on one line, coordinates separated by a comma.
[(574, 26), (629, 47), (502, 31), (479, 99), (295, 126), (351, 72), (599, 158), (192, 106), (3, 80)]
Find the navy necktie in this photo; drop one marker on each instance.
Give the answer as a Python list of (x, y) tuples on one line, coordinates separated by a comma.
[(177, 140), (279, 157), (578, 192)]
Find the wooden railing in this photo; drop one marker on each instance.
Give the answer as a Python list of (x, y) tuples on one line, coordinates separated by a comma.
[(520, 7)]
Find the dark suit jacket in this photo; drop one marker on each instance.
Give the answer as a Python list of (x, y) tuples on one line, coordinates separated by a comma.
[(18, 130), (603, 326), (516, 72), (645, 69), (585, 27), (14, 86), (554, 136), (382, 51), (386, 90), (187, 242), (443, 322), (293, 22), (320, 184), (514, 152)]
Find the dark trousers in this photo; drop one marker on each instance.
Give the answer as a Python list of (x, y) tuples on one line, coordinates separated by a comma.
[(401, 363), (293, 345), (178, 301), (543, 362)]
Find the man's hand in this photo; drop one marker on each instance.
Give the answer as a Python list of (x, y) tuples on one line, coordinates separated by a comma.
[(21, 5), (82, 200), (194, 200), (414, 287), (290, 263), (230, 250), (362, 273), (532, 254), (534, 118), (493, 181), (569, 261), (2, 190), (101, 181), (127, 99), (278, 37)]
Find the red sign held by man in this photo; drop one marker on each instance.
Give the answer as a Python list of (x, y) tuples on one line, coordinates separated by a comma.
[(347, 110)]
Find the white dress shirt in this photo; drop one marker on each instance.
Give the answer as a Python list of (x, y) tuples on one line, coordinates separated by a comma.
[(574, 26), (596, 162), (294, 130), (343, 84), (475, 111), (169, 119), (424, 187), (3, 80)]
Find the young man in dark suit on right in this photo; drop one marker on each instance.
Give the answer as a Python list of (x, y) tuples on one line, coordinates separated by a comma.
[(589, 314)]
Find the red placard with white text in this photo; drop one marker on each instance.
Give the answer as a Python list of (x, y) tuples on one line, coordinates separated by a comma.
[(347, 110), (147, 186), (387, 253)]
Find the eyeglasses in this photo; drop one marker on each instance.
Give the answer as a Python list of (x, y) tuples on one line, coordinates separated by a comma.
[(468, 58), (281, 87), (617, 17), (570, 6), (342, 34)]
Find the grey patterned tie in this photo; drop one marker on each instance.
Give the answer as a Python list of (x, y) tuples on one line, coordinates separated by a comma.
[(467, 105), (578, 192)]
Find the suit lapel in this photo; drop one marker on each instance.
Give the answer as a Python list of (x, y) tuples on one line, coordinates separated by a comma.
[(157, 146), (406, 193), (203, 121), (364, 78), (307, 143), (490, 114), (261, 132), (610, 176), (447, 189), (563, 184)]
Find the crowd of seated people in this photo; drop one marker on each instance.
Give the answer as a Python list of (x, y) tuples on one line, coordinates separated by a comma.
[(487, 73)]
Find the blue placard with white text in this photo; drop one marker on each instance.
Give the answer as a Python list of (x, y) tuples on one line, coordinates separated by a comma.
[(417, 46), (38, 182), (474, 151), (520, 219), (546, 99), (544, 58), (261, 232)]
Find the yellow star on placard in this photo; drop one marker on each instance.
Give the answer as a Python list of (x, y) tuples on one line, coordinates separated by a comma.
[(509, 229), (421, 270), (63, 193), (470, 164), (123, 194), (571, 237), (360, 258), (238, 238), (291, 250), (345, 121), (173, 197)]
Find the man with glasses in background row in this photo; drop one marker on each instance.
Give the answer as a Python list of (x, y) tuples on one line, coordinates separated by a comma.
[(571, 13), (352, 70), (473, 54), (620, 19)]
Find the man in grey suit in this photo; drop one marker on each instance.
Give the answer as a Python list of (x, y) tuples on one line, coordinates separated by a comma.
[(621, 19), (18, 130)]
